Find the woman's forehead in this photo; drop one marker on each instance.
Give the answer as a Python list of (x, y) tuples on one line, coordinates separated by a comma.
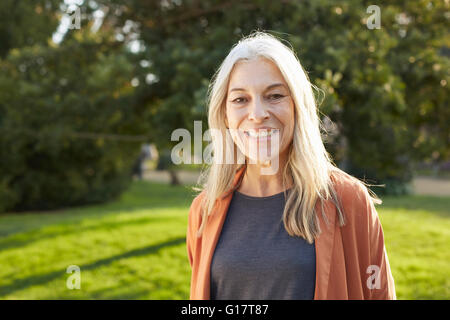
[(260, 73)]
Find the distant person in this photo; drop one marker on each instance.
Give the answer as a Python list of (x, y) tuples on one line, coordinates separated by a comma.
[(147, 150), (307, 230), (138, 165)]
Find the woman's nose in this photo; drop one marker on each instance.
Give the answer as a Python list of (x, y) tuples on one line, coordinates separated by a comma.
[(257, 111)]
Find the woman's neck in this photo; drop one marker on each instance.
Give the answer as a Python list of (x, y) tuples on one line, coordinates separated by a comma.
[(257, 184)]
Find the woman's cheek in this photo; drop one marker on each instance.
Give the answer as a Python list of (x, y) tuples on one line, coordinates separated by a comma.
[(232, 118)]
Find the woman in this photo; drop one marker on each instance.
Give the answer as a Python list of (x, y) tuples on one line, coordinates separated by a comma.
[(285, 223)]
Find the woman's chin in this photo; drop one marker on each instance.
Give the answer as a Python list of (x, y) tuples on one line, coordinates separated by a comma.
[(262, 160), (267, 166)]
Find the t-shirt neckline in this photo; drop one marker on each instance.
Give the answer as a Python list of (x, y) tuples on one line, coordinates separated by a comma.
[(261, 198)]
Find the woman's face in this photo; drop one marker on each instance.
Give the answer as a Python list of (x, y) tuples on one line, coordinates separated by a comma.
[(259, 110)]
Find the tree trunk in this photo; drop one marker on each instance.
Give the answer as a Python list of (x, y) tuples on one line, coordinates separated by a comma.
[(174, 181)]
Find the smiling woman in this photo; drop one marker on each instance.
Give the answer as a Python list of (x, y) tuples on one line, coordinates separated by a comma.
[(259, 104), (306, 230)]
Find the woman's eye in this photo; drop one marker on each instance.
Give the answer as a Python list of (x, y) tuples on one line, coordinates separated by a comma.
[(238, 100), (275, 96)]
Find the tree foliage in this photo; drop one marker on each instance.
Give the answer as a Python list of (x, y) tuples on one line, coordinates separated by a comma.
[(59, 105), (63, 107), (385, 89)]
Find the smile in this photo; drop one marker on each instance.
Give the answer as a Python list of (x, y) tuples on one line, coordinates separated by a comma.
[(260, 133)]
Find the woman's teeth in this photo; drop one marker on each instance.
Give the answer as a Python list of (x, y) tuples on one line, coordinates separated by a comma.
[(259, 134)]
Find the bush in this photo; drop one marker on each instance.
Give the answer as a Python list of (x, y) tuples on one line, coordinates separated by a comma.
[(58, 108)]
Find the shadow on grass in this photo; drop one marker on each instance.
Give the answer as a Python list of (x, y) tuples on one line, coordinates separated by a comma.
[(19, 229), (44, 278), (130, 291), (142, 195), (65, 230)]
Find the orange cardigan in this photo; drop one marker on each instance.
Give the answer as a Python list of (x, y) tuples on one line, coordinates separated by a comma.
[(343, 254)]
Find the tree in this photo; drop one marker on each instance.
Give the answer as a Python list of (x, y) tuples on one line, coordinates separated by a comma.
[(72, 114), (384, 88), (64, 112)]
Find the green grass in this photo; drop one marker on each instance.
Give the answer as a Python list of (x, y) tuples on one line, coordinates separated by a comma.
[(417, 238), (134, 248)]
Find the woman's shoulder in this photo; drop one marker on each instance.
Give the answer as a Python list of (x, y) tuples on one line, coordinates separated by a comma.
[(347, 185), (353, 195), (196, 208), (197, 201)]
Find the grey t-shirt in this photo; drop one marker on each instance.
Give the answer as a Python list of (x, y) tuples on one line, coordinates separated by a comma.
[(255, 258)]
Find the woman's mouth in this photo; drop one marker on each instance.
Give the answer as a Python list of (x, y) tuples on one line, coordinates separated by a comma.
[(261, 133)]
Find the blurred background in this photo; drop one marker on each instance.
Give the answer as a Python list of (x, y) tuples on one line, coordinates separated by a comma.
[(91, 206)]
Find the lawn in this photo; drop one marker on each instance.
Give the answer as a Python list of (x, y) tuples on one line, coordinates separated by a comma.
[(134, 248)]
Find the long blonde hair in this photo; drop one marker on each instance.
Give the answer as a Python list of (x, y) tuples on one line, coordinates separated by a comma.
[(309, 165)]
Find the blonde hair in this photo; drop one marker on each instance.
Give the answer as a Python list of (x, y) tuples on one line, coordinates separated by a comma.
[(309, 164)]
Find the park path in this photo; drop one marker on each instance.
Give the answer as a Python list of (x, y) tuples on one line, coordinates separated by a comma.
[(422, 185), (431, 186), (185, 176)]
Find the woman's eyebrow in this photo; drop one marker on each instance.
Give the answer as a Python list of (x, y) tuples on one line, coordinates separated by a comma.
[(237, 89), (275, 85), (268, 87)]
